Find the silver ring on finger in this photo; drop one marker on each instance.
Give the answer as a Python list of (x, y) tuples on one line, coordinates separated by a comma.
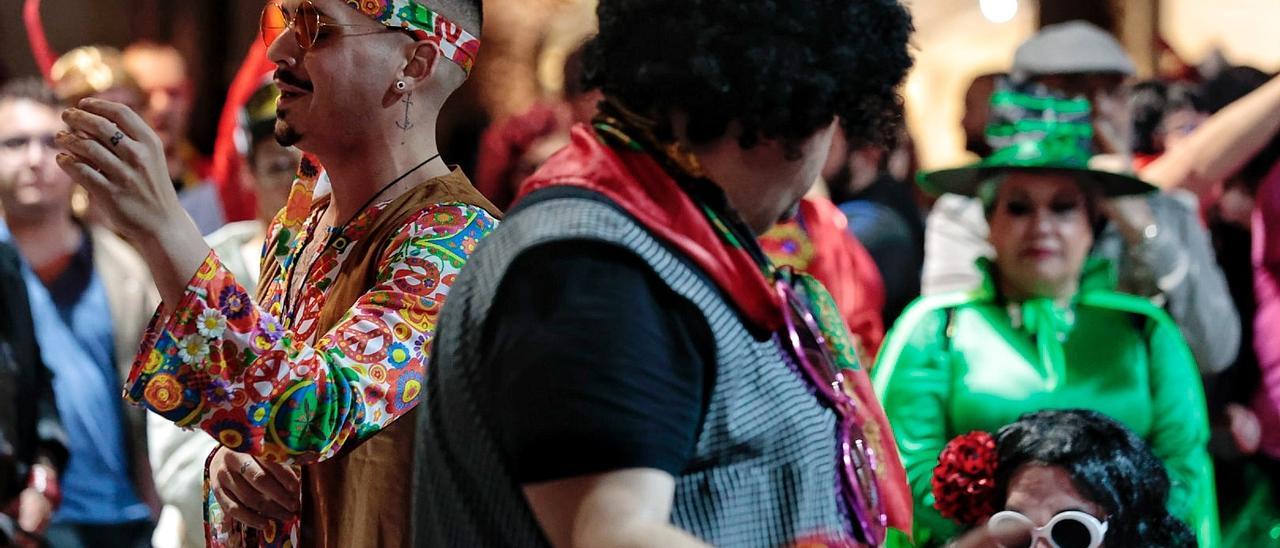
[(115, 139)]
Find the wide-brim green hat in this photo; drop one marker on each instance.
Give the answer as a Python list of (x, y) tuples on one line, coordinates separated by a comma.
[(1035, 133)]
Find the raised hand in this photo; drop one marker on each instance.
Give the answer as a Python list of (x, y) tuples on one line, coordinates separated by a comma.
[(112, 153), (120, 161)]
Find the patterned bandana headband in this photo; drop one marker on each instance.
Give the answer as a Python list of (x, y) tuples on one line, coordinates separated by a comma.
[(456, 44)]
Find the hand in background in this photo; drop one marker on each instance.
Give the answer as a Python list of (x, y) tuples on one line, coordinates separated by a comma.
[(1113, 123), (34, 511), (1132, 216)]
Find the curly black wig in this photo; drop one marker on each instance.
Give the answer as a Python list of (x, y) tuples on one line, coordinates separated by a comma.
[(1108, 464), (781, 69)]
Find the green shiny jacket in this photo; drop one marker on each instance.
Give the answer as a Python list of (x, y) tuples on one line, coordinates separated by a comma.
[(970, 361)]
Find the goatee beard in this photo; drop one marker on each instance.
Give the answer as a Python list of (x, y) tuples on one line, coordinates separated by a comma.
[(286, 135)]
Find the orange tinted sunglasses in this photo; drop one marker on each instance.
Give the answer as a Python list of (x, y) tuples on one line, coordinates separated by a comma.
[(306, 22)]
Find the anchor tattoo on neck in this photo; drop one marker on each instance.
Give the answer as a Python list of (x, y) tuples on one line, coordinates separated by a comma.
[(408, 103)]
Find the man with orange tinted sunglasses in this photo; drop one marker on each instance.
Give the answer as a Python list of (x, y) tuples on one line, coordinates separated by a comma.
[(306, 385)]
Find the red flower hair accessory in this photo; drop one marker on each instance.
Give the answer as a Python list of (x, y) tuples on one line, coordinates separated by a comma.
[(964, 480)]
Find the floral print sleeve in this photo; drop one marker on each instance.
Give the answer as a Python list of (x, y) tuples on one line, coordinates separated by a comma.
[(233, 368)]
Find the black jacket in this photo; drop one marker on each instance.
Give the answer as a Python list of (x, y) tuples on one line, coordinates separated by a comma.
[(29, 425)]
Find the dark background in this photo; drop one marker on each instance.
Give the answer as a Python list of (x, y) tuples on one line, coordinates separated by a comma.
[(211, 33)]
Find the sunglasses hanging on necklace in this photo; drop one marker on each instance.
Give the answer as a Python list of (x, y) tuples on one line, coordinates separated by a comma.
[(808, 348)]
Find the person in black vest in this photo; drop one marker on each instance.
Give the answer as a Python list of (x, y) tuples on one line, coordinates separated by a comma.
[(620, 364)]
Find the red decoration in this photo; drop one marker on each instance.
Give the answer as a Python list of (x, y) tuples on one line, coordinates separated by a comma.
[(44, 55), (964, 480), (239, 202)]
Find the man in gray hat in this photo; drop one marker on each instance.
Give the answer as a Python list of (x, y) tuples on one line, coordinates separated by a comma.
[(1074, 48), (1158, 244)]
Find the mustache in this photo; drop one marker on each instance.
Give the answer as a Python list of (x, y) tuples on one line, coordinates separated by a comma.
[(293, 80)]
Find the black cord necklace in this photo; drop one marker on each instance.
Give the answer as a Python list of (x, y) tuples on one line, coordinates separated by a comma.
[(336, 236)]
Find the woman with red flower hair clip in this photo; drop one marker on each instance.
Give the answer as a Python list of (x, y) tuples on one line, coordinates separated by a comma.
[(1062, 479)]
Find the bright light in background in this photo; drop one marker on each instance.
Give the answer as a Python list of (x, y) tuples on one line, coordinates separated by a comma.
[(998, 11)]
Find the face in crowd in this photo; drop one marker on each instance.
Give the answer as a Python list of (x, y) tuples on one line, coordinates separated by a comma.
[(1041, 231), (794, 177), (273, 168), (161, 74), (1109, 94), (32, 187), (335, 93), (772, 176), (1045, 498), (1178, 125), (977, 109)]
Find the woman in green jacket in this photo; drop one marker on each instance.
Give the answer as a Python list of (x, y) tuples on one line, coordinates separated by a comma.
[(1045, 331)]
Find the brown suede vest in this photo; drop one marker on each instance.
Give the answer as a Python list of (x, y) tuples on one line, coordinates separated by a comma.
[(361, 497)]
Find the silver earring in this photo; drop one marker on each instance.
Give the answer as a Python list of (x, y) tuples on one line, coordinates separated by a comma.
[(401, 86)]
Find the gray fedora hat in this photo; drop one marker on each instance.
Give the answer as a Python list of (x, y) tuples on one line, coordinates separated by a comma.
[(1074, 47)]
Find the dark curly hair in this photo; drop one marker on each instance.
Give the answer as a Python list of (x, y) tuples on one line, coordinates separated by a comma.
[(1152, 101), (1108, 464), (781, 69)]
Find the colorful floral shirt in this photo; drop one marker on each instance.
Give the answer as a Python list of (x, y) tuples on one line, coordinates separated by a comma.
[(262, 380)]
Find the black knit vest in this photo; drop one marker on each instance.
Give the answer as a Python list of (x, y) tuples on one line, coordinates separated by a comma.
[(764, 471)]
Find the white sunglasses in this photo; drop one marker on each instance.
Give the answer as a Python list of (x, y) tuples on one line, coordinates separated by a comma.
[(1070, 529)]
